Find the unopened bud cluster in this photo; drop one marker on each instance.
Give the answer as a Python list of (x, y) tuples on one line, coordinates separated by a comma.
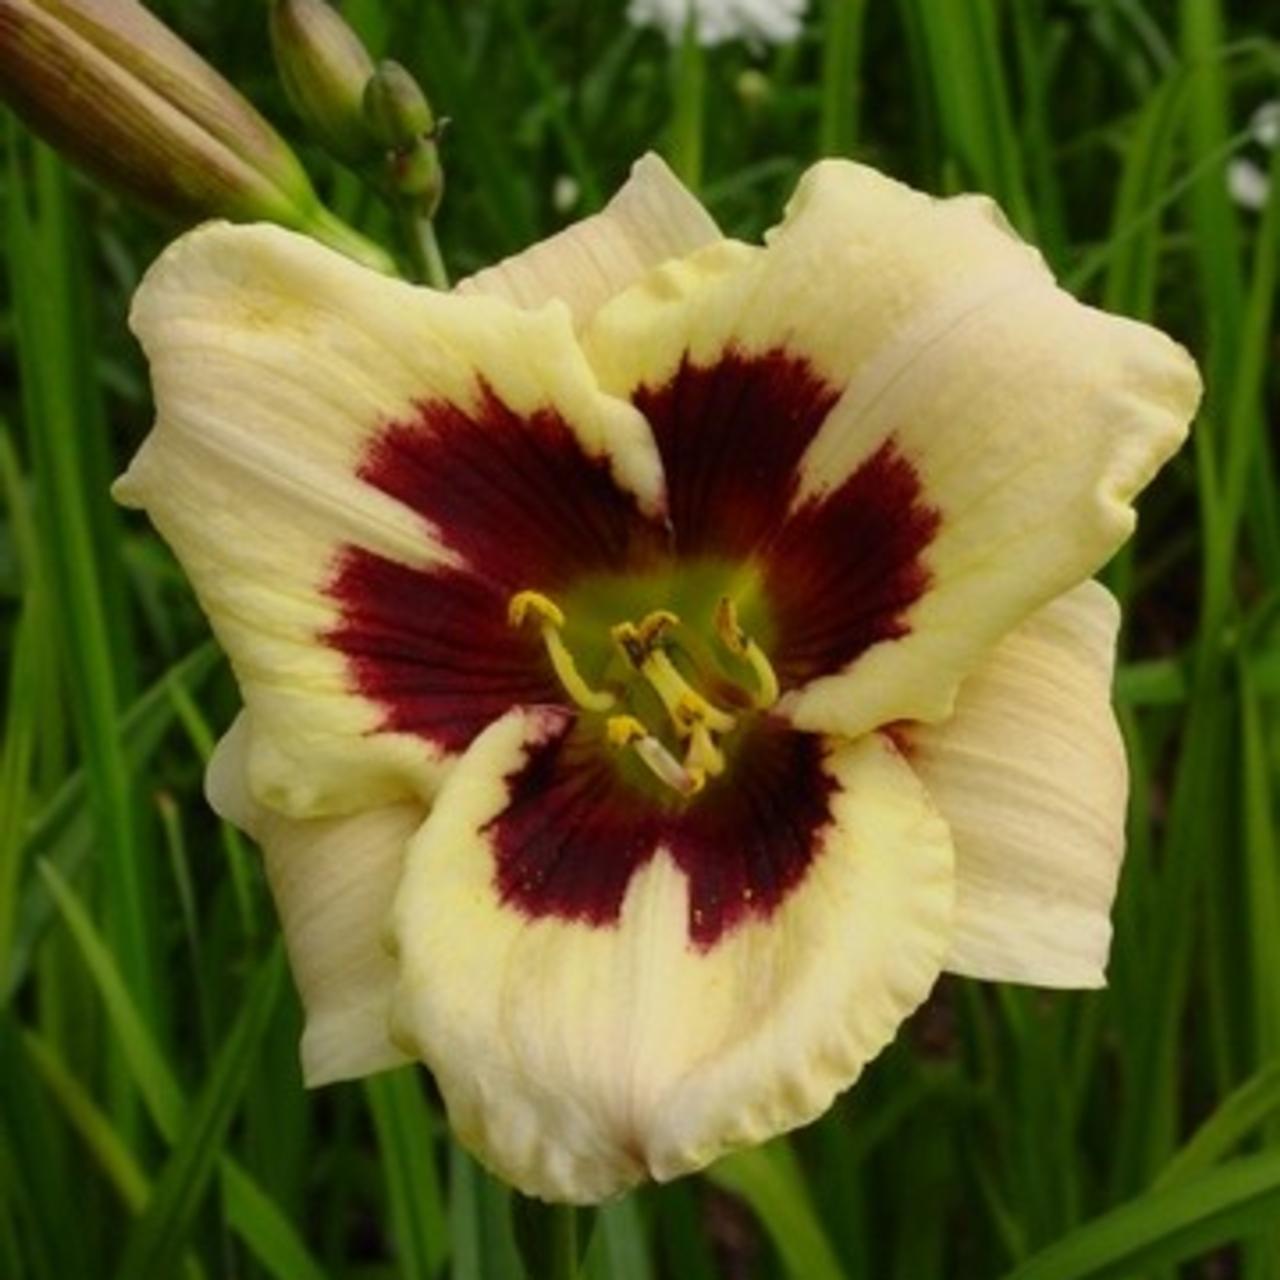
[(374, 118)]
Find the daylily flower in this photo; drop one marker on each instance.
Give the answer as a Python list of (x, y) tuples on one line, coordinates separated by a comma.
[(676, 652)]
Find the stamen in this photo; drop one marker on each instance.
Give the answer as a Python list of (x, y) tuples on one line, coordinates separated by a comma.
[(653, 625), (627, 731), (550, 619), (544, 608), (741, 645), (684, 704), (704, 753)]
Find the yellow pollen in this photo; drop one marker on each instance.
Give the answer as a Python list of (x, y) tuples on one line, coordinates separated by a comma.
[(622, 731), (652, 626), (550, 618), (741, 645), (544, 608)]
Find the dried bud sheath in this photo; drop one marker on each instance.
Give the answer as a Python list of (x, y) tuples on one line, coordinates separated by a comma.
[(109, 85), (112, 88)]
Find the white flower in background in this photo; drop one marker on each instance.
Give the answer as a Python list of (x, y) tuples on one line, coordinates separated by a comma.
[(717, 21), (565, 193), (1247, 181), (1265, 124), (1247, 184)]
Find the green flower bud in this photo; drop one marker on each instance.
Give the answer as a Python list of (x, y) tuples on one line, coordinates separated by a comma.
[(415, 176), (324, 69), (754, 88), (114, 89), (395, 107)]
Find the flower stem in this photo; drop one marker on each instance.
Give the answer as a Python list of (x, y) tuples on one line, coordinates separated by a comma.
[(329, 229), (548, 1237), (424, 249), (687, 121), (564, 1241)]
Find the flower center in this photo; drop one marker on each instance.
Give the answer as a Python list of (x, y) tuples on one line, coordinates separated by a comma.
[(652, 695)]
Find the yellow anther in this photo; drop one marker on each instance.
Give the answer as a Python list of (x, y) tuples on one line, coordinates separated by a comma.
[(741, 645), (550, 619), (544, 608), (627, 731), (730, 632), (622, 731), (652, 625), (626, 635)]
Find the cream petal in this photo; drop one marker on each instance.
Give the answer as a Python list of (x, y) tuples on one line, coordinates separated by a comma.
[(1031, 775), (652, 218), (333, 881), (952, 439), (354, 472), (584, 1048)]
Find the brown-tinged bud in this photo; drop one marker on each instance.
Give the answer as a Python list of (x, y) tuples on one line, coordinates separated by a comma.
[(324, 69), (415, 175), (401, 119), (395, 107), (115, 90)]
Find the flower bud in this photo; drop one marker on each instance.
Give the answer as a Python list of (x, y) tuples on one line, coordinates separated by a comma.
[(401, 119), (396, 108), (754, 89), (324, 69), (415, 176), (115, 90)]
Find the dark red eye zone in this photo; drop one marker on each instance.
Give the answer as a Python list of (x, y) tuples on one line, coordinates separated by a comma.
[(521, 504), (432, 648), (731, 435), (843, 572), (515, 496), (575, 832)]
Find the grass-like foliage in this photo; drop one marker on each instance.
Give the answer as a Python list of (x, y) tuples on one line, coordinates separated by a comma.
[(152, 1119)]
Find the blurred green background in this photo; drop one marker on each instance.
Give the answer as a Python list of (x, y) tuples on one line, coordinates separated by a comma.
[(152, 1120)]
